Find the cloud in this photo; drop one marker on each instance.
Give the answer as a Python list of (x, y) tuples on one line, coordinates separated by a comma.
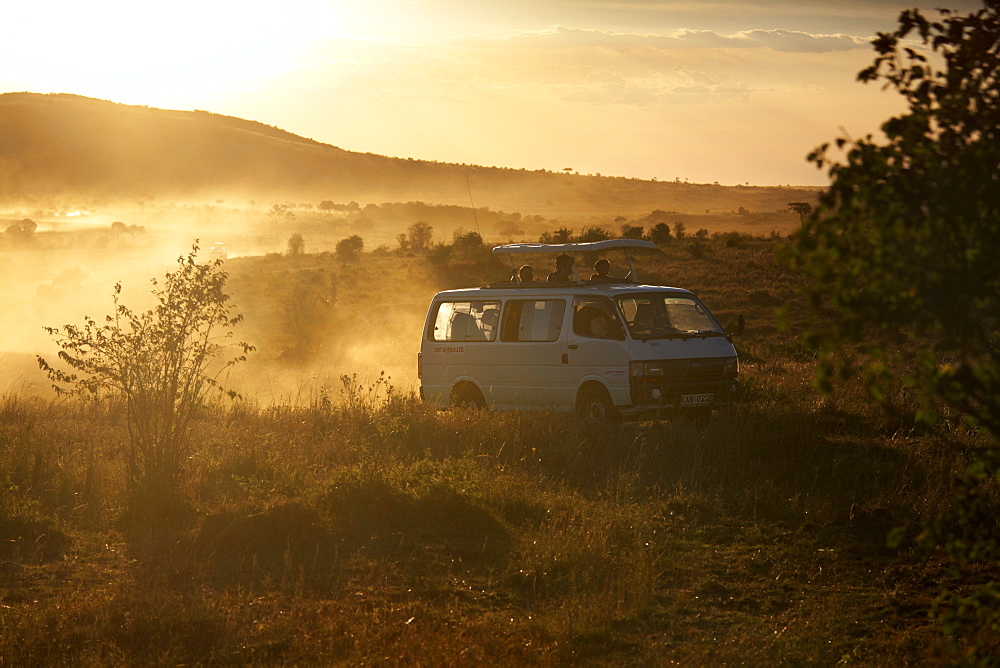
[(599, 67), (593, 67), (789, 41), (679, 85), (792, 41)]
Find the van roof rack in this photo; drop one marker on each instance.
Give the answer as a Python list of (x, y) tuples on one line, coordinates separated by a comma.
[(579, 247)]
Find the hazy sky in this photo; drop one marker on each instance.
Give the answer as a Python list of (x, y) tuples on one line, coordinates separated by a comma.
[(707, 91)]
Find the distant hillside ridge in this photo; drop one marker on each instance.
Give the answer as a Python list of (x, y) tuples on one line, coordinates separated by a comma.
[(69, 146)]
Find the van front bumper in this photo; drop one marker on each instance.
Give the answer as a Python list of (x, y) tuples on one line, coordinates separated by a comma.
[(721, 395), (684, 383)]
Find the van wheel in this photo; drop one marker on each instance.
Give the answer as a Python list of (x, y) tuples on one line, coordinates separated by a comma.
[(467, 396), (594, 403)]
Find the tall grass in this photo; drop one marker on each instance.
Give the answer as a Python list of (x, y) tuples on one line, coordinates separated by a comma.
[(511, 536)]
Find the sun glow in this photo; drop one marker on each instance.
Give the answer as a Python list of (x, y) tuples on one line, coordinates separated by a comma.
[(168, 54), (662, 89)]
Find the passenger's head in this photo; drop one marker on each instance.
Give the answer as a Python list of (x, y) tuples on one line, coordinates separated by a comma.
[(599, 325), (602, 267), (564, 261), (526, 273)]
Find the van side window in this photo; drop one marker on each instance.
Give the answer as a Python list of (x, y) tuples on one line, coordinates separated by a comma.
[(595, 318), (533, 320), (465, 321)]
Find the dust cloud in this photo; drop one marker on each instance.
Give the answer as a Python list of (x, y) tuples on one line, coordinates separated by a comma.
[(312, 317), (364, 335)]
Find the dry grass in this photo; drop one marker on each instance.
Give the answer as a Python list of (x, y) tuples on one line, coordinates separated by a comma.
[(359, 526)]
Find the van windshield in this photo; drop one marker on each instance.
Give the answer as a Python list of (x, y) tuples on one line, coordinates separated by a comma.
[(666, 315)]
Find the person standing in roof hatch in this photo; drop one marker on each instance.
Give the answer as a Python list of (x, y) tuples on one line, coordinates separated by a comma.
[(564, 269), (602, 267), (526, 274)]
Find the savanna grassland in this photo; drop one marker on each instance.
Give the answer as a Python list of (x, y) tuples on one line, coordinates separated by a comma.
[(355, 525)]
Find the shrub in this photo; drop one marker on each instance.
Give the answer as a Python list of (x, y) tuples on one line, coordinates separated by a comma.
[(419, 236), (296, 244), (632, 231), (348, 249), (659, 234), (594, 234), (561, 236), (902, 253), (162, 363)]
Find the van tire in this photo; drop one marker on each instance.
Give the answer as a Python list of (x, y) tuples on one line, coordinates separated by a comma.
[(467, 395), (594, 403)]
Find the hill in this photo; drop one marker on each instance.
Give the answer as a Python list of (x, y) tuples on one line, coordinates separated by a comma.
[(60, 145)]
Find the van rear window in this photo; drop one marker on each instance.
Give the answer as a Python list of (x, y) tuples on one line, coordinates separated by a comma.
[(465, 321), (533, 320)]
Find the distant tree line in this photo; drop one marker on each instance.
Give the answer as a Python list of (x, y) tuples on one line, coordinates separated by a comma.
[(21, 233), (659, 232)]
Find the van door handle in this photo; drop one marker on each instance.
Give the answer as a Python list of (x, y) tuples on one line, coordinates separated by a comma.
[(565, 358), (573, 346)]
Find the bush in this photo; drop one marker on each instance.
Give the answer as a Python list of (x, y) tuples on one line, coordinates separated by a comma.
[(348, 249), (419, 236), (296, 244), (594, 234), (563, 235), (632, 231), (161, 363), (660, 234), (900, 258)]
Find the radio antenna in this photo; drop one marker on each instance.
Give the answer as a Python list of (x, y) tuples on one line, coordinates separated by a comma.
[(473, 204)]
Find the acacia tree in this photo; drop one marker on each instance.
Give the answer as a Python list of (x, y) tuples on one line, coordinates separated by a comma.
[(904, 253), (801, 208), (161, 363)]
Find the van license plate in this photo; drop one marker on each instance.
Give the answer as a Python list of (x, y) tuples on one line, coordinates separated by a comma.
[(697, 399)]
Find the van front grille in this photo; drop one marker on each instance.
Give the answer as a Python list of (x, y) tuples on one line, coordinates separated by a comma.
[(694, 370), (682, 376)]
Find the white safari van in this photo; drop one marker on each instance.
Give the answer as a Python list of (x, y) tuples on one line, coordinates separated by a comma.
[(604, 347)]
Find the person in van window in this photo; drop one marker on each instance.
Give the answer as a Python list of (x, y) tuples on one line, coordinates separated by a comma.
[(594, 322), (602, 267), (525, 273), (564, 269), (599, 326)]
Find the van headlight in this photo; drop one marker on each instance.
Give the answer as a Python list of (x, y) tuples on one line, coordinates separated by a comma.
[(646, 369)]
